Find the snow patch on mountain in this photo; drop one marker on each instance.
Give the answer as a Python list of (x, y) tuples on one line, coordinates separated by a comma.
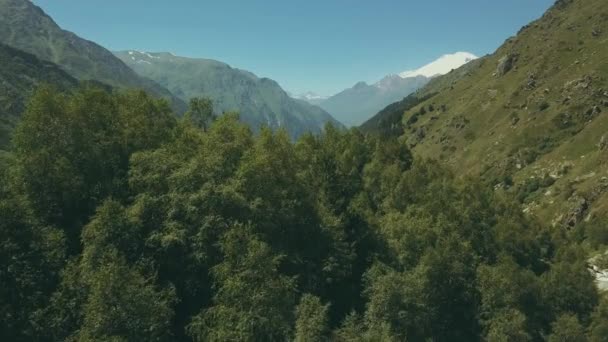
[(441, 66), (310, 96)]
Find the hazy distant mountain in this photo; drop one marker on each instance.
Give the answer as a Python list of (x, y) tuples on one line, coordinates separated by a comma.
[(356, 105), (260, 101), (26, 27), (311, 97)]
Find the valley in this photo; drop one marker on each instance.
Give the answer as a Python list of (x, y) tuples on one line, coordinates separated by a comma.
[(150, 196)]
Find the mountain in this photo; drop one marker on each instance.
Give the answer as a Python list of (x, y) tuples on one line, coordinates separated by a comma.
[(20, 73), (530, 119), (355, 105), (26, 27), (442, 65), (260, 101), (311, 97)]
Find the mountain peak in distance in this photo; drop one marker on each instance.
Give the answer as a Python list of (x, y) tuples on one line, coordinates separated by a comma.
[(442, 65)]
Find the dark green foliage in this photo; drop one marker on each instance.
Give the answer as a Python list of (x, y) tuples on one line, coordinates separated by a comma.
[(598, 330), (567, 328), (568, 288), (311, 320), (532, 185), (124, 304), (175, 230), (31, 257), (73, 151), (506, 289), (253, 301), (596, 231), (508, 326), (388, 120), (200, 112), (352, 329)]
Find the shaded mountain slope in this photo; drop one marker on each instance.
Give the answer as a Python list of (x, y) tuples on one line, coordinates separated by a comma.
[(26, 27), (20, 73)]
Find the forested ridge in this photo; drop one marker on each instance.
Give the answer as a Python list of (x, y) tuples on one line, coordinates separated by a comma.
[(122, 222)]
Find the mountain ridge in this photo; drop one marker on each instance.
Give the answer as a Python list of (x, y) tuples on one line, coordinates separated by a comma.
[(259, 100), (26, 27)]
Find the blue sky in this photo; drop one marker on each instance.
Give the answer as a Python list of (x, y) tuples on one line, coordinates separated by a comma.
[(318, 45)]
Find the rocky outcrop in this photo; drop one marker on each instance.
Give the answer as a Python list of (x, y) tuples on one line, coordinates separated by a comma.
[(603, 144), (505, 64), (576, 213), (417, 137), (597, 267)]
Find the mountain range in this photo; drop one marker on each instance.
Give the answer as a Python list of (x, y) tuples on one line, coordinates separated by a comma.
[(355, 105), (260, 101), (531, 118)]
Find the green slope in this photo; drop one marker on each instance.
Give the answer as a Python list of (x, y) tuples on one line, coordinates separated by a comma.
[(260, 101), (20, 73), (26, 27), (531, 119)]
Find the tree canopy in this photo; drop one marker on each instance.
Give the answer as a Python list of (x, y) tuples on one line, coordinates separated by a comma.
[(122, 222)]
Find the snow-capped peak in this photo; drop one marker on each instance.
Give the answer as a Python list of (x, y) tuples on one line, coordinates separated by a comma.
[(441, 66), (310, 96)]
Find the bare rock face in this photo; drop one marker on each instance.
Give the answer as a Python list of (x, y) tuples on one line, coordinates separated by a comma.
[(576, 213), (597, 267), (417, 137), (505, 64), (603, 144)]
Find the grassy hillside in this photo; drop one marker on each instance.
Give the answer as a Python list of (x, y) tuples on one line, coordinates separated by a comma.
[(20, 73), (260, 101), (26, 27), (531, 119)]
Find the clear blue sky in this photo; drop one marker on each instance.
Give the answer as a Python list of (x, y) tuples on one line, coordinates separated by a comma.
[(318, 45)]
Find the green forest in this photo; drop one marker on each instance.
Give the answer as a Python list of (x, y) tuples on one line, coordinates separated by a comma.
[(123, 222)]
